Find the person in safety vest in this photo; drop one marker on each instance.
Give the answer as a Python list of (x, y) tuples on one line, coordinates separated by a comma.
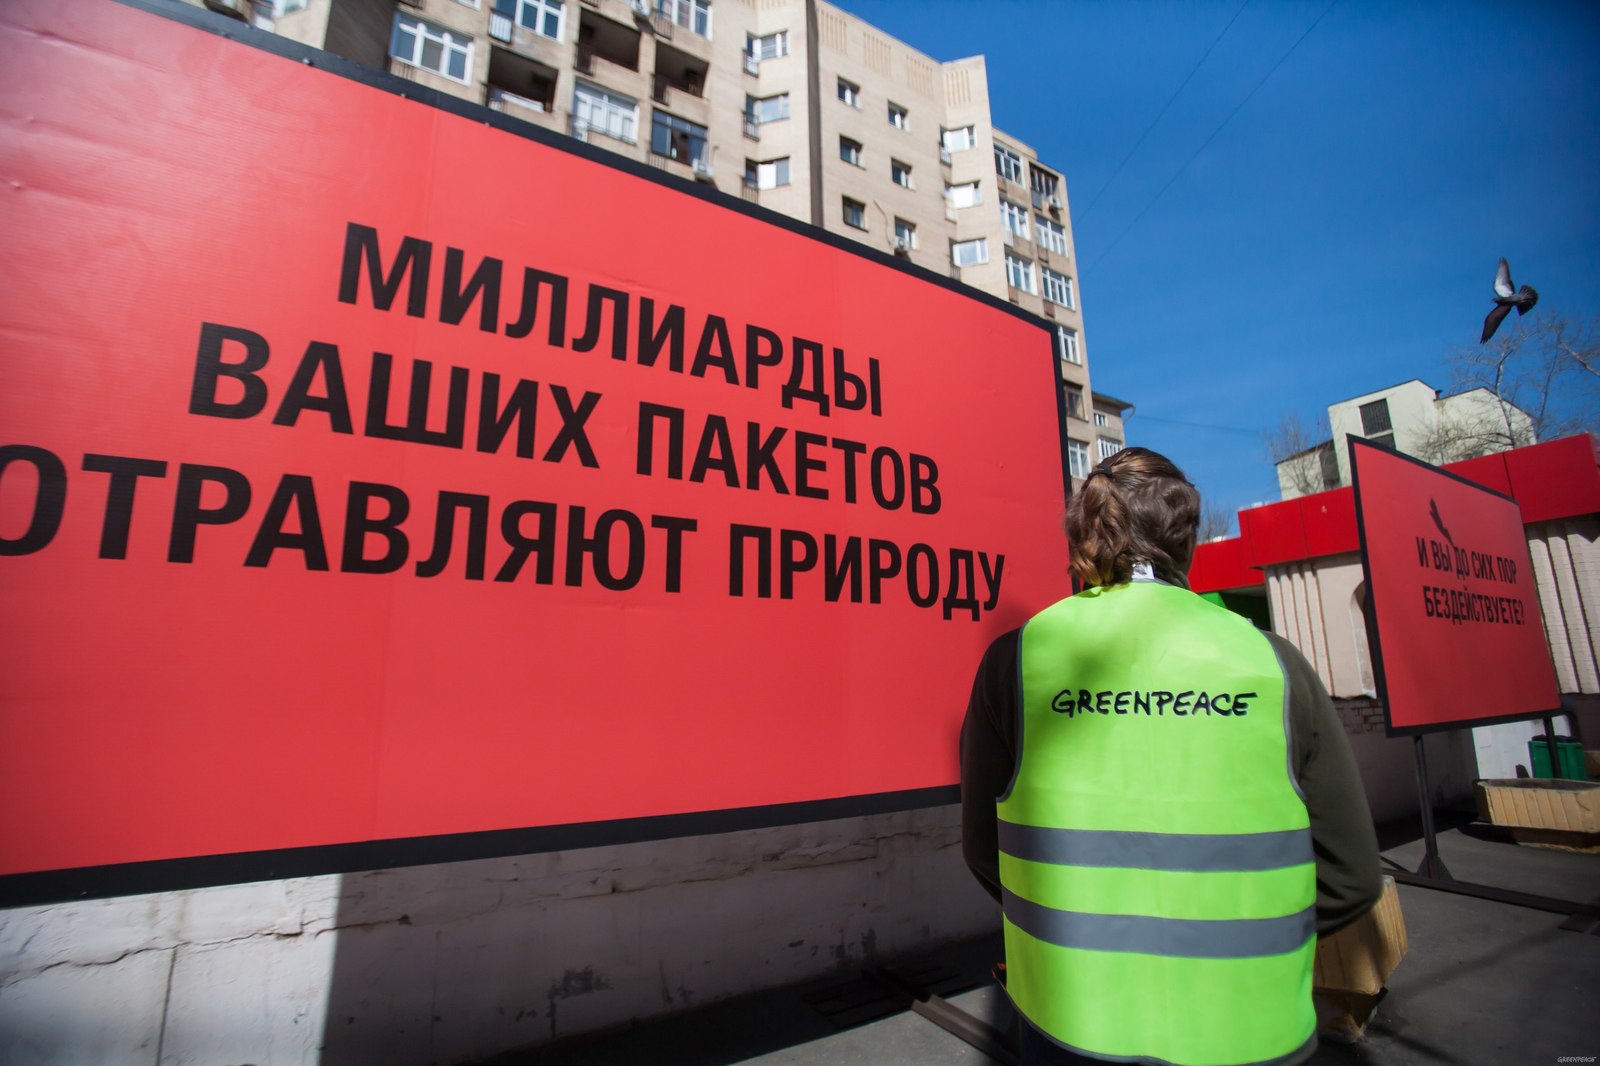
[(1179, 814)]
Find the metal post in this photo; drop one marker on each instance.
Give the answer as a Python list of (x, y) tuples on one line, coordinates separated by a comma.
[(1432, 864), (1550, 739)]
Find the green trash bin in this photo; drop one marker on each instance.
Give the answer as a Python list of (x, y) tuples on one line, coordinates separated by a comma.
[(1569, 758)]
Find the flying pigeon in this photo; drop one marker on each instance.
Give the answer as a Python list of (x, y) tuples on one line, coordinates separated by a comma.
[(1506, 296)]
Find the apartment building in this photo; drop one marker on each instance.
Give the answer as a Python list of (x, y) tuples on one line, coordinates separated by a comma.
[(795, 105)]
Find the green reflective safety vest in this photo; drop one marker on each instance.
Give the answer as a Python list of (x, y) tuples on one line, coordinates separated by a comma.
[(1155, 852)]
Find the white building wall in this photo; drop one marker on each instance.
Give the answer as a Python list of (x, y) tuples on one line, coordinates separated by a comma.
[(460, 961)]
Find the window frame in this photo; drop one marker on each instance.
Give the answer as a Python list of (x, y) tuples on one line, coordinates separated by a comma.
[(850, 151), (898, 168), (752, 45), (1020, 269), (1052, 234), (1054, 279), (978, 244), (977, 194), (656, 114), (1078, 464), (536, 10), (1070, 352), (670, 9), (753, 111), (970, 136), (860, 210), (1013, 216), (910, 234), (903, 113), (759, 167), (849, 93), (1004, 155), (450, 43), (593, 94), (1108, 446)]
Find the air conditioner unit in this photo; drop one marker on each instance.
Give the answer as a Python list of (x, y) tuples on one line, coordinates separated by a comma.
[(703, 171), (580, 130), (902, 247), (641, 10), (1055, 205)]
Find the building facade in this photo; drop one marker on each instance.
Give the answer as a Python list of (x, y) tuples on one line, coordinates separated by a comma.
[(795, 105), (1413, 418)]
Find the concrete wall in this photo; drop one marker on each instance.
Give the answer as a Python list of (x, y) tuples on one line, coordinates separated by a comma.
[(450, 963)]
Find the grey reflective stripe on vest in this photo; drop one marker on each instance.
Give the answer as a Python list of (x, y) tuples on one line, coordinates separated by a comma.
[(1185, 938), (1157, 851)]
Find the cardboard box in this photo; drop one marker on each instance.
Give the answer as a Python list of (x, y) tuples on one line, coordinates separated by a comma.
[(1544, 811), (1360, 957)]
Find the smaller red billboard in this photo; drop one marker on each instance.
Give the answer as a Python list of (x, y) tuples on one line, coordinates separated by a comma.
[(1453, 612)]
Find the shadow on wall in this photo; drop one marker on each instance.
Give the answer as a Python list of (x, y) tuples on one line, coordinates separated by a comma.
[(462, 961)]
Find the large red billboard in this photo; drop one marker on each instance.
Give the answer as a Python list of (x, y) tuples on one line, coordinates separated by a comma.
[(373, 471), (1453, 611)]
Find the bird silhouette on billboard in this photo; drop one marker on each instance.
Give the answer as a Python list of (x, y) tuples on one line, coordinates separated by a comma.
[(1507, 296)]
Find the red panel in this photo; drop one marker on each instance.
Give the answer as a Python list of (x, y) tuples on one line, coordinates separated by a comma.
[(1487, 470), (1558, 479), (160, 177), (1330, 521), (1452, 591), (1220, 565), (1272, 534)]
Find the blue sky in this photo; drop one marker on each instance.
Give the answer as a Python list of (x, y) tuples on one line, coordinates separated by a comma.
[(1338, 235)]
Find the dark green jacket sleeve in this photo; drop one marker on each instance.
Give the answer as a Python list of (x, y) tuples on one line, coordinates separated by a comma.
[(988, 757), (1346, 847)]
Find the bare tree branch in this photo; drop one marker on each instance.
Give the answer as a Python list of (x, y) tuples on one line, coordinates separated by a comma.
[(1295, 449)]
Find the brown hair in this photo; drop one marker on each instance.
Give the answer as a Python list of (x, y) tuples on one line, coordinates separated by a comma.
[(1135, 506)]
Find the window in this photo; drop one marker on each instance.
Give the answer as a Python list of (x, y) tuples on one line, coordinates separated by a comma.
[(958, 139), (1375, 418), (905, 234), (901, 173), (850, 151), (1077, 458), (855, 213), (1067, 345), (1052, 237), (593, 108), (1101, 418), (1057, 288), (969, 253), (762, 109), (422, 44), (677, 138), (692, 15), (850, 92), (1008, 164), (283, 7), (771, 46), (768, 175), (899, 117), (1019, 272), (1014, 219), (1075, 403), (967, 195), (544, 17), (1044, 185), (1109, 447)]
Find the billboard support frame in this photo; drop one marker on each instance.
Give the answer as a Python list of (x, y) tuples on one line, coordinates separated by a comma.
[(1432, 872)]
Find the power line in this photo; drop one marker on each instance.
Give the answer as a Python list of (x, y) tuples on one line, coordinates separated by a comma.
[(1186, 163), (1196, 425), (1162, 113)]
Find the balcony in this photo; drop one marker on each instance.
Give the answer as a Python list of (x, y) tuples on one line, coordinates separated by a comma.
[(518, 85), (601, 38), (677, 70)]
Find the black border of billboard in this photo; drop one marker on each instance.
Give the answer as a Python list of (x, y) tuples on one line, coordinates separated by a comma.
[(203, 871), (1371, 619)]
